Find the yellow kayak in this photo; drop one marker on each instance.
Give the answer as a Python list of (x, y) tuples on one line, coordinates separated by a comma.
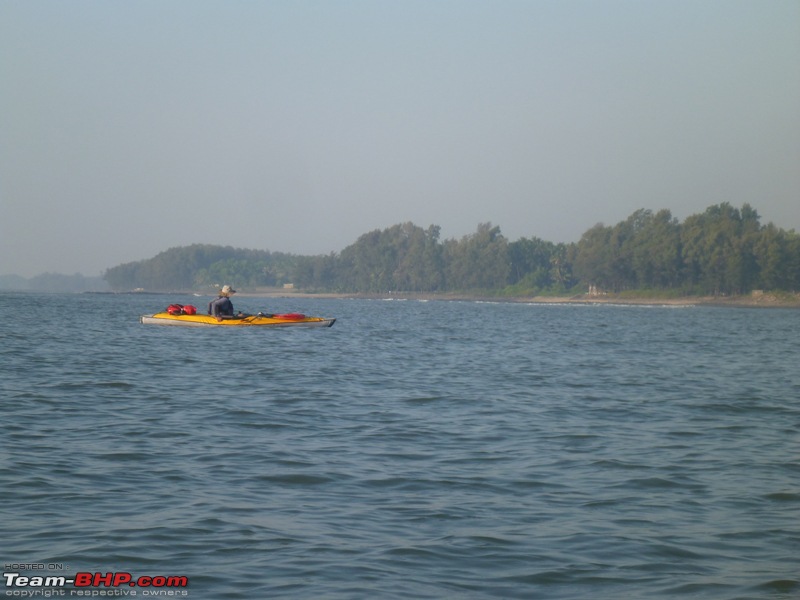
[(259, 320)]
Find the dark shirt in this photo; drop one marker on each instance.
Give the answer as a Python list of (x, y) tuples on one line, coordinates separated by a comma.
[(220, 306)]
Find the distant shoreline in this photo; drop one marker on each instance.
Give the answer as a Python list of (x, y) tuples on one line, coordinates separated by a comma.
[(754, 300)]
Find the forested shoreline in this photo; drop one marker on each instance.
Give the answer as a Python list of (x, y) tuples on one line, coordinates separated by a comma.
[(722, 251)]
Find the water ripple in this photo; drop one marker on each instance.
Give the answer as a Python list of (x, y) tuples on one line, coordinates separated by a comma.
[(539, 452)]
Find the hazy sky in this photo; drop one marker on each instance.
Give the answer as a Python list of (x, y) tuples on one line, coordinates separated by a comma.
[(127, 128)]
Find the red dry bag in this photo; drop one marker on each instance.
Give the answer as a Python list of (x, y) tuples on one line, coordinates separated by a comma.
[(175, 309)]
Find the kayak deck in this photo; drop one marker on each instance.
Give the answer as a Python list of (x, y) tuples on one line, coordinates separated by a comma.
[(260, 320)]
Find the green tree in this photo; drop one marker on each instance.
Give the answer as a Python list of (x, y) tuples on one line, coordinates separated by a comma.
[(656, 251), (530, 261), (478, 261), (419, 260), (593, 261), (771, 256), (718, 249), (368, 264), (792, 262)]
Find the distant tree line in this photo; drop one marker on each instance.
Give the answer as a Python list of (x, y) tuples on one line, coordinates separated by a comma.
[(203, 266), (723, 250)]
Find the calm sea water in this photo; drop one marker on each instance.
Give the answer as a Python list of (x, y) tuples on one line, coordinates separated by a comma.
[(414, 450)]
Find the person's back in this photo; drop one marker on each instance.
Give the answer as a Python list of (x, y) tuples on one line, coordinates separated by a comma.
[(222, 306)]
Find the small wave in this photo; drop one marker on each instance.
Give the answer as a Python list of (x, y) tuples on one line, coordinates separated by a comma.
[(783, 497), (295, 479), (656, 483), (673, 551), (780, 586), (700, 590)]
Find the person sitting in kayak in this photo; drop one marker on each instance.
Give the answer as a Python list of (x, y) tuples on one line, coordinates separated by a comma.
[(222, 306)]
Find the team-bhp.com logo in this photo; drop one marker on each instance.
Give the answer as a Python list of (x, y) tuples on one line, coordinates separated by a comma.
[(94, 584)]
